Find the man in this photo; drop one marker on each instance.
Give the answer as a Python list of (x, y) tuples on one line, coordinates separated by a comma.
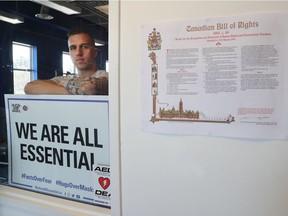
[(89, 81)]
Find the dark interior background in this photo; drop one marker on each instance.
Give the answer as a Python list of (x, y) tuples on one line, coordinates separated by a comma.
[(50, 38)]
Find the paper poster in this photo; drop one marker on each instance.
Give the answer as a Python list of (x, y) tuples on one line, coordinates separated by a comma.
[(59, 145), (216, 76)]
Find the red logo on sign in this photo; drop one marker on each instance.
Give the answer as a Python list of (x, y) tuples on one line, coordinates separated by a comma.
[(104, 182)]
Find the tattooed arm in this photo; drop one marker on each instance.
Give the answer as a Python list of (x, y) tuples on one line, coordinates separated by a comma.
[(87, 86), (68, 85)]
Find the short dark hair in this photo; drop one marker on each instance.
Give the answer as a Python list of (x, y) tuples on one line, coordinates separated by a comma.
[(80, 30)]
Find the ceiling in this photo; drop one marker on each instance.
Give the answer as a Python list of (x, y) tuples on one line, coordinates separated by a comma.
[(89, 12), (94, 11)]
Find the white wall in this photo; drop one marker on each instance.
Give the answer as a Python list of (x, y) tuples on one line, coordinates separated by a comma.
[(191, 175)]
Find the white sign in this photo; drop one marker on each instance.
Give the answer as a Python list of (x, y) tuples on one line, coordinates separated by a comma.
[(59, 145), (223, 76)]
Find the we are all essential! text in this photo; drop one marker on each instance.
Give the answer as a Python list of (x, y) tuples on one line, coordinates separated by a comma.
[(55, 135)]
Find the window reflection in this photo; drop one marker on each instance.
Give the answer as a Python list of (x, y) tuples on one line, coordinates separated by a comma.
[(37, 49)]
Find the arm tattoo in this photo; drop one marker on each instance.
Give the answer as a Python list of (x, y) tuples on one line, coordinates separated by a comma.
[(77, 86), (72, 87)]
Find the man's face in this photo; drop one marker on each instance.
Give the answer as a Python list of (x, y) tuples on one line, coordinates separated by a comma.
[(82, 51)]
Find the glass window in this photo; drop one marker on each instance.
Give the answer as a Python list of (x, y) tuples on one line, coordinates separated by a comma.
[(24, 65), (67, 64)]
